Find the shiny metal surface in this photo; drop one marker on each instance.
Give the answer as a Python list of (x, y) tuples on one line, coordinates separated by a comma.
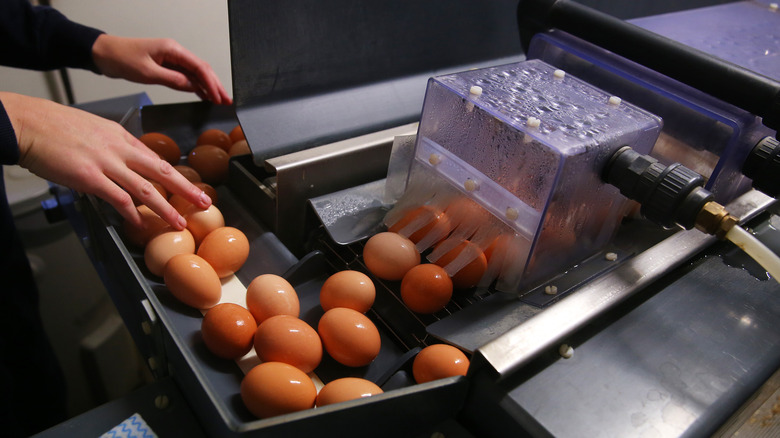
[(548, 329), (679, 364), (326, 169)]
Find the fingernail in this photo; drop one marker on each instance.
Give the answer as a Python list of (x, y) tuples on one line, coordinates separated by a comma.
[(182, 222), (204, 198)]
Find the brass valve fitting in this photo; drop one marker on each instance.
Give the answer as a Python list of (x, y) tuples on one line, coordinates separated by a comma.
[(714, 219)]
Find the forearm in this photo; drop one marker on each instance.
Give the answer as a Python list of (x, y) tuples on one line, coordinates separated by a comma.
[(9, 149), (41, 38)]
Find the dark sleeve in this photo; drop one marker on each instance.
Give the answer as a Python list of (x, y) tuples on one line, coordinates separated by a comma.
[(9, 149), (41, 38)]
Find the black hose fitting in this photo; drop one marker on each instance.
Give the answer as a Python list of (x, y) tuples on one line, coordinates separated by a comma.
[(763, 166), (669, 195)]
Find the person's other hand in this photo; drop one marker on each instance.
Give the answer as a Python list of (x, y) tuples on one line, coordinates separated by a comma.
[(93, 155), (158, 61)]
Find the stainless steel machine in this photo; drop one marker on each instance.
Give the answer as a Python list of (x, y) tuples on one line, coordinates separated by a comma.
[(656, 331)]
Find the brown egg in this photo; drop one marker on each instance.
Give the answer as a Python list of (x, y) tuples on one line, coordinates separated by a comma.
[(211, 163), (226, 249), (163, 146), (153, 225), (166, 245), (201, 222), (209, 190), (350, 289), (439, 361), (346, 388), (215, 137), (498, 247), (389, 255), (179, 203), (275, 388), (287, 339), (237, 134), (349, 337), (426, 288), (188, 172), (469, 275), (423, 220), (268, 295), (228, 330), (193, 281), (240, 147)]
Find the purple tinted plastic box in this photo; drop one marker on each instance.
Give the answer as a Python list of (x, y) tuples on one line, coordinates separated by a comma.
[(705, 134), (527, 143)]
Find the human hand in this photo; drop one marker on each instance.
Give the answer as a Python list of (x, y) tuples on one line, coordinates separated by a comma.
[(93, 155), (158, 61)]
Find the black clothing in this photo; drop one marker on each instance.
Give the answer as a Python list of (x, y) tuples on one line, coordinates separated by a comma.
[(32, 388)]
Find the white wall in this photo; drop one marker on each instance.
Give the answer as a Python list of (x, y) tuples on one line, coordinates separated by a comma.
[(199, 25)]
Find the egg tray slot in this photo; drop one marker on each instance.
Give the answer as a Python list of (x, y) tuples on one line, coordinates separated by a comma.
[(217, 382), (212, 385), (410, 327)]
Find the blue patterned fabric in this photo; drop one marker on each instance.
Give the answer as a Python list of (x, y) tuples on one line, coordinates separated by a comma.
[(133, 427)]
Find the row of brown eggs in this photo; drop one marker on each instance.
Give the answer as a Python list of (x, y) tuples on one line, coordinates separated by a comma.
[(192, 262), (427, 288), (289, 348), (286, 345), (209, 158)]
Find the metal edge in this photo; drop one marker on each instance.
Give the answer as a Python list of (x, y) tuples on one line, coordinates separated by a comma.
[(519, 346), (313, 172)]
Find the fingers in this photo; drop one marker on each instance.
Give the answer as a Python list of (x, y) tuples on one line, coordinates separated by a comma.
[(151, 166), (108, 190), (158, 61), (199, 73)]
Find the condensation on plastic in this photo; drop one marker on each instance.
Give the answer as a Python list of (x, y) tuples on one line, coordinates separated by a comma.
[(517, 168)]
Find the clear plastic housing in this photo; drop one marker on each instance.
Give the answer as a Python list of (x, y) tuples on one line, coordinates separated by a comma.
[(526, 145), (705, 134)]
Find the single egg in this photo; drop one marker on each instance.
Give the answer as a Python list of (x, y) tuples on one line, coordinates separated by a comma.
[(211, 163), (179, 203), (202, 222), (163, 146), (426, 288), (439, 361), (153, 225), (268, 295), (498, 247), (351, 289), (389, 255), (237, 134), (465, 212), (193, 281), (469, 275), (287, 339), (226, 249), (209, 190), (240, 147), (215, 137), (424, 219), (228, 330), (275, 388), (166, 245), (346, 388), (189, 173), (349, 337)]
